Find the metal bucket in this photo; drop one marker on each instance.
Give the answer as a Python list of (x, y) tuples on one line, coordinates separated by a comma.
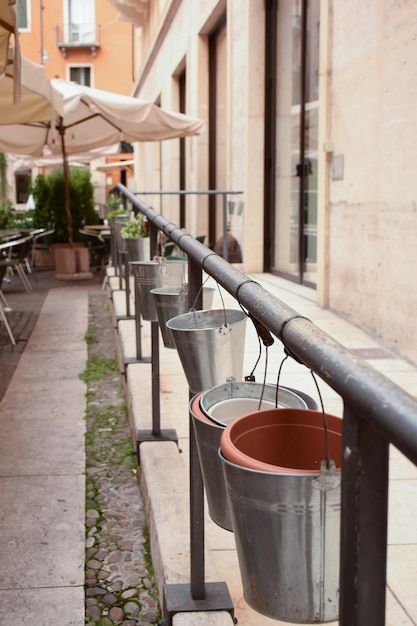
[(172, 301), (210, 345), (208, 432), (224, 403), (135, 249), (287, 522), (152, 274)]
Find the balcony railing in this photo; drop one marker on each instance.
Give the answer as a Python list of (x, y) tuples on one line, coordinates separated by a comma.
[(75, 36)]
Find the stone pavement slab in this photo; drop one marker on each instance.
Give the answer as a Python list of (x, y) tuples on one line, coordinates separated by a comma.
[(42, 470)]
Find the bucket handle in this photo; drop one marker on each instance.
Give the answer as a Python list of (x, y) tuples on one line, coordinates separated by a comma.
[(327, 463)]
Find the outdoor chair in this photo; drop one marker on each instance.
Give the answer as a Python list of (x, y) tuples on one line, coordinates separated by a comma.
[(41, 240), (12, 258), (97, 245), (4, 306)]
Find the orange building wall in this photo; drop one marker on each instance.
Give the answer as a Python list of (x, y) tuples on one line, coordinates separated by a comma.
[(112, 68)]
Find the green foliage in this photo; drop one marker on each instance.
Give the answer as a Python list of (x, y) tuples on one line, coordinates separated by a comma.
[(114, 201), (134, 228), (3, 178), (115, 213), (8, 218), (49, 197)]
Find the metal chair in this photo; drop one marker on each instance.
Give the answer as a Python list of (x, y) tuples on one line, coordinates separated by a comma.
[(12, 257), (4, 307)]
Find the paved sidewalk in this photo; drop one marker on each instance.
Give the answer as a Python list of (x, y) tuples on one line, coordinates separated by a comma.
[(42, 466)]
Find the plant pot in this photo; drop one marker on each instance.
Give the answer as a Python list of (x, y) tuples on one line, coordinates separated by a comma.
[(210, 345), (64, 258), (285, 518), (71, 262)]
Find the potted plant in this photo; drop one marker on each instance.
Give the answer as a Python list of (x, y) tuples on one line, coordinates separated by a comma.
[(134, 232), (71, 258)]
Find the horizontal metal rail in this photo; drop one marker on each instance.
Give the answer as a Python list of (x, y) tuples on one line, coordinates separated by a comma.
[(208, 192), (376, 413)]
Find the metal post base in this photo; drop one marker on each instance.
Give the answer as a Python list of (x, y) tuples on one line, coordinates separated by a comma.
[(178, 599), (129, 360), (167, 434)]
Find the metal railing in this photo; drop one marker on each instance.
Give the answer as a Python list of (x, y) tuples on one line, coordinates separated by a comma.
[(225, 194), (376, 413)]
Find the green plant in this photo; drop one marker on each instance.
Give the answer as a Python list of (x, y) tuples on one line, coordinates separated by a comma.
[(134, 228), (7, 215), (115, 213), (114, 201), (49, 197)]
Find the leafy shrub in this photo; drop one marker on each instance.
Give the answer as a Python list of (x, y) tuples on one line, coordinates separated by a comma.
[(49, 197)]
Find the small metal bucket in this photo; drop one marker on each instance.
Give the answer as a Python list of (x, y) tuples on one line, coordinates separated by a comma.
[(224, 403), (210, 345), (208, 433), (135, 249), (286, 522), (152, 274), (172, 301)]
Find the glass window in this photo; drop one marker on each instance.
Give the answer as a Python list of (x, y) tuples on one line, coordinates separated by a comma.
[(82, 21), (22, 12), (80, 75)]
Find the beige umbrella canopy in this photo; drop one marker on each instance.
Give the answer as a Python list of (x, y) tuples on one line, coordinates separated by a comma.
[(93, 118), (39, 101), (8, 27)]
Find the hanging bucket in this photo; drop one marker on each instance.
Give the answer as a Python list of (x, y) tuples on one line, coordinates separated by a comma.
[(152, 274), (208, 432), (172, 301), (224, 403), (285, 511), (210, 345), (136, 248)]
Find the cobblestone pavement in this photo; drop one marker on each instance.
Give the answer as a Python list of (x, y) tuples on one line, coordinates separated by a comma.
[(120, 588)]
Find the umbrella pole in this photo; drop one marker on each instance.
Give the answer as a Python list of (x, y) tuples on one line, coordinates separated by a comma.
[(66, 183)]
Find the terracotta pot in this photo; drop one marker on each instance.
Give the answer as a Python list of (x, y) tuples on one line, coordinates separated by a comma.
[(282, 440)]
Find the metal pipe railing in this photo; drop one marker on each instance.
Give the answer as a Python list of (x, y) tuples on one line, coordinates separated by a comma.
[(208, 192), (376, 413)]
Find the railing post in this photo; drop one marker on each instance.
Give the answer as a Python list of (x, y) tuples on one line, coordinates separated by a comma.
[(364, 513)]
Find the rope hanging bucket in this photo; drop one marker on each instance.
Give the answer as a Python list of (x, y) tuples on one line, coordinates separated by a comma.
[(152, 274), (172, 301), (210, 344), (285, 510)]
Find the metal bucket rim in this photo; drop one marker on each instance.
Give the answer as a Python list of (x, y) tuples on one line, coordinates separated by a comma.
[(205, 398), (202, 313)]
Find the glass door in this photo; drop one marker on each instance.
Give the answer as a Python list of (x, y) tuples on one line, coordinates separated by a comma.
[(294, 245)]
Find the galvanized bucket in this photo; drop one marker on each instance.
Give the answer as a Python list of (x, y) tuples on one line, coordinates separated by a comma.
[(136, 249), (172, 301), (224, 403), (287, 522), (208, 432), (152, 274), (210, 345)]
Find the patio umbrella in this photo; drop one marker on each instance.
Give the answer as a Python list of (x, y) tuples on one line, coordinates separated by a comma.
[(7, 28), (39, 100), (95, 118)]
